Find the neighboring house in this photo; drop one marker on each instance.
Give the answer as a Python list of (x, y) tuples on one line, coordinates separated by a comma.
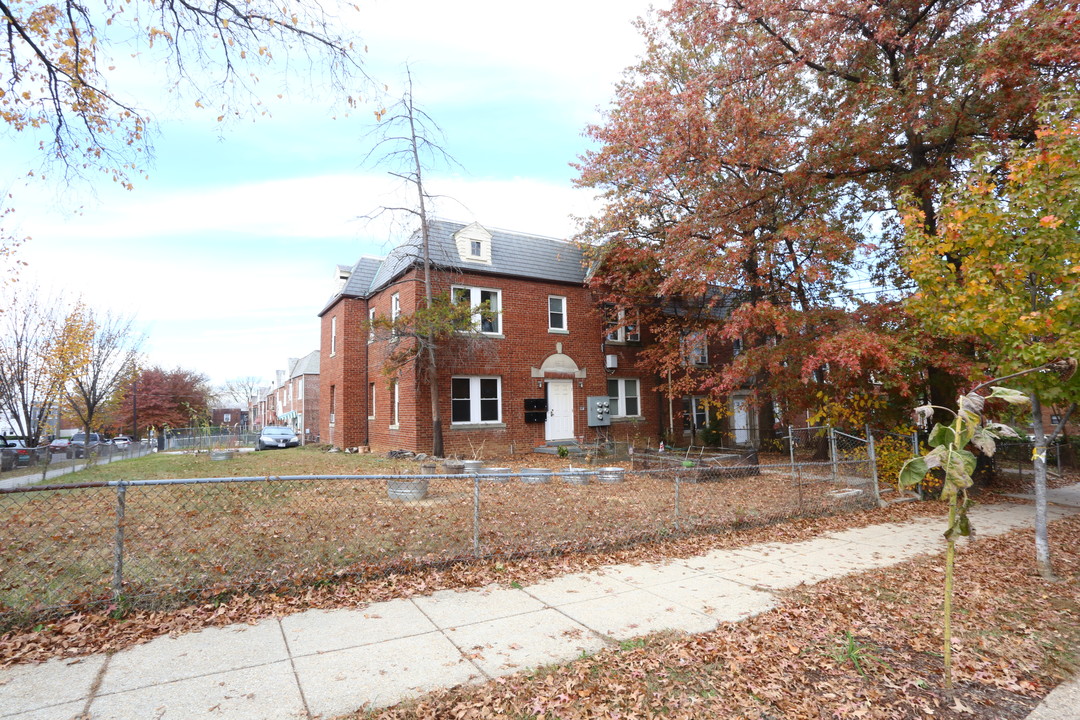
[(539, 361), (297, 396), (230, 418), (262, 410)]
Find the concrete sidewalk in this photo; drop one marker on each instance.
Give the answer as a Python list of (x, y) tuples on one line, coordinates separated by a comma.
[(325, 663)]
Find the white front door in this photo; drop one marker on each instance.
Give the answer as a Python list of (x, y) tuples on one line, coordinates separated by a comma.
[(560, 421), (740, 419)]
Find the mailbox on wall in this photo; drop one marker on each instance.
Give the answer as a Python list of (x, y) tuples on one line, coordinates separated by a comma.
[(536, 410)]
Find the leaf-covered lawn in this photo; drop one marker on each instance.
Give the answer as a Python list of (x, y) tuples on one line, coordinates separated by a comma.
[(198, 540), (867, 646)]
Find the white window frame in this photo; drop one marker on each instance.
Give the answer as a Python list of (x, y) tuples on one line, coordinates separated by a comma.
[(395, 404), (618, 401), (371, 401), (622, 332), (475, 399), (371, 325), (475, 299), (736, 347), (395, 313), (562, 312), (333, 335), (703, 402)]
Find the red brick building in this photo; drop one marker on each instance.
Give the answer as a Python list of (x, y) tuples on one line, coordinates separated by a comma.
[(297, 396), (538, 361)]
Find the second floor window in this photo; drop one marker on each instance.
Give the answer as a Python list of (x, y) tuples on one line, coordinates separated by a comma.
[(395, 312), (618, 329), (488, 307), (696, 348), (371, 325), (556, 313)]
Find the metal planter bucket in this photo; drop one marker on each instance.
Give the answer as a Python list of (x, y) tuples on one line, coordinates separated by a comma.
[(610, 474), (473, 466), (576, 478), (407, 490), (453, 467), (535, 476), (502, 474)]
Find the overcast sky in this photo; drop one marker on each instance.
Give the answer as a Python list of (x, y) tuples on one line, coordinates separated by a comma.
[(227, 252)]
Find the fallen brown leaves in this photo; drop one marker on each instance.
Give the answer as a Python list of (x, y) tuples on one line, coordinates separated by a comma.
[(100, 633), (1014, 637)]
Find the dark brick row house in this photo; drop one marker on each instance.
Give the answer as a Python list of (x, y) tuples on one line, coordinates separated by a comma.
[(543, 355)]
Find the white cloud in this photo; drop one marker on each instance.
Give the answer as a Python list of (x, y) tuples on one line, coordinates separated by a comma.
[(227, 268)]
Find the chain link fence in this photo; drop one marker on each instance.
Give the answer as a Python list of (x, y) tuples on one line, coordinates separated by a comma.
[(41, 464), (161, 543), (1014, 462)]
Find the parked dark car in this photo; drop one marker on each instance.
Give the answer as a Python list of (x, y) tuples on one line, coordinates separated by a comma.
[(7, 457), (80, 446), (274, 436), (23, 455)]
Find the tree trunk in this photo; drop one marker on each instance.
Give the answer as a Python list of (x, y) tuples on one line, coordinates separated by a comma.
[(767, 425), (1042, 538)]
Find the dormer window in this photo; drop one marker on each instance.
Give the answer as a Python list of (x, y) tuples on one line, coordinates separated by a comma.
[(474, 244)]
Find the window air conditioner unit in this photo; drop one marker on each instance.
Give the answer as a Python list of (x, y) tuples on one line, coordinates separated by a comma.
[(611, 361)]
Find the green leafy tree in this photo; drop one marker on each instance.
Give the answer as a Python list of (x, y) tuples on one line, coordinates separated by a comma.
[(1004, 266)]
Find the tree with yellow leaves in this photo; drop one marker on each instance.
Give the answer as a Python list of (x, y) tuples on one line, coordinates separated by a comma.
[(111, 360), (43, 345), (1005, 267)]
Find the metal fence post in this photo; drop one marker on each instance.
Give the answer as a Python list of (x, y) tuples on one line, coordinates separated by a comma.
[(118, 545), (678, 484), (832, 452), (873, 465), (791, 453), (476, 516)]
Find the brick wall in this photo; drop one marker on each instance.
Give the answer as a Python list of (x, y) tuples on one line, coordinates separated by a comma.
[(525, 344), (344, 371)]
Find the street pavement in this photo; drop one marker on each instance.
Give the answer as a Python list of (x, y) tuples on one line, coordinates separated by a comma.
[(325, 663)]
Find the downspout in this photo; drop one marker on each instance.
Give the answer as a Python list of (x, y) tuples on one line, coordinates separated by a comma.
[(367, 385)]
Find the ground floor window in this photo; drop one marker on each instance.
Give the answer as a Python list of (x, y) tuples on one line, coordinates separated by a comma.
[(475, 400), (623, 394), (395, 398)]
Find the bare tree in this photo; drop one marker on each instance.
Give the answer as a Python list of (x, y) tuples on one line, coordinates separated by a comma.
[(42, 345), (239, 390), (111, 359), (408, 141)]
